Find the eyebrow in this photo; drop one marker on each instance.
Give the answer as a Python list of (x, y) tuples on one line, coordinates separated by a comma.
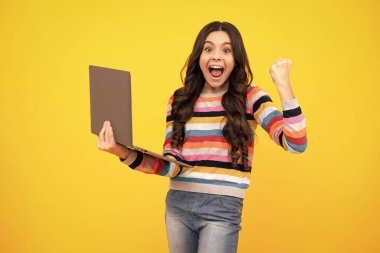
[(207, 41)]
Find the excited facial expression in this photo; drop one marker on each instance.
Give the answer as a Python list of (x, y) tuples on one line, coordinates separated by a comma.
[(217, 61)]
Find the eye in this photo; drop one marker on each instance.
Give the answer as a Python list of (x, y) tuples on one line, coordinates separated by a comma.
[(227, 50), (207, 49)]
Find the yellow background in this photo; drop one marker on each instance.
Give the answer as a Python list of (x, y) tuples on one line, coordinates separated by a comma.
[(59, 193)]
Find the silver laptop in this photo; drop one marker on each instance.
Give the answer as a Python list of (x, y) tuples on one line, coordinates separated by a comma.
[(110, 99)]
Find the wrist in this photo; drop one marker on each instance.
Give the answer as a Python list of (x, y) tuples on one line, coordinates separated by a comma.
[(124, 155), (121, 151), (282, 83), (285, 91)]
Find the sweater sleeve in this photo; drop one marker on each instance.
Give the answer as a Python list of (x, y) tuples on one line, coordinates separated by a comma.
[(149, 164), (287, 128)]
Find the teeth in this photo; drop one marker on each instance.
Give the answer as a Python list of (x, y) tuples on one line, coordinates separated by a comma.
[(216, 67)]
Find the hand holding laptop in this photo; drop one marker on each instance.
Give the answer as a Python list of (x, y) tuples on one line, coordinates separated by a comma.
[(110, 99), (107, 142)]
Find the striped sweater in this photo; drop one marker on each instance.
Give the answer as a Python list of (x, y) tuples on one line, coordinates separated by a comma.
[(206, 149)]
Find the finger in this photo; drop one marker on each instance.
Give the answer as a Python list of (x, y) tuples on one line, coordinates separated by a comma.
[(110, 134), (106, 135), (101, 134), (110, 137)]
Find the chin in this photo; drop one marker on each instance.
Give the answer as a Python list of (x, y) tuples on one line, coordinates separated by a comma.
[(216, 86)]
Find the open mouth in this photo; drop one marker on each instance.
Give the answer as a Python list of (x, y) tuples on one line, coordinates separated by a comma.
[(215, 71)]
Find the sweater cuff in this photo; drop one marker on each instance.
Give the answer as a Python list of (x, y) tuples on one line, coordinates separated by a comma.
[(289, 104), (130, 158)]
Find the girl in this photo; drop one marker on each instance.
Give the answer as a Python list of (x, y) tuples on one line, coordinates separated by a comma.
[(211, 124)]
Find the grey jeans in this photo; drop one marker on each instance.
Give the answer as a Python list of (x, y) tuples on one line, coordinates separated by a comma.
[(202, 223)]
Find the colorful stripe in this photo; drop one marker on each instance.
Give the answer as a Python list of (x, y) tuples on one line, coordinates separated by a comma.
[(208, 151)]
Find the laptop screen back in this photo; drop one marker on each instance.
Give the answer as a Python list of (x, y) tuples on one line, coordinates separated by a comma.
[(110, 99)]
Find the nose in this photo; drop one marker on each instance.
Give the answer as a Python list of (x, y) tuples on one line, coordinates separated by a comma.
[(216, 56)]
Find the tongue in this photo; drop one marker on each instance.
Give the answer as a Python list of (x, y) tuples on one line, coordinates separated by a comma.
[(216, 72)]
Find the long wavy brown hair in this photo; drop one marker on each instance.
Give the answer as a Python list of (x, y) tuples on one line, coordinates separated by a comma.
[(236, 130)]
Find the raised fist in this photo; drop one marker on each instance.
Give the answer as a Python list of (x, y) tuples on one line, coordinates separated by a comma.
[(279, 71)]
